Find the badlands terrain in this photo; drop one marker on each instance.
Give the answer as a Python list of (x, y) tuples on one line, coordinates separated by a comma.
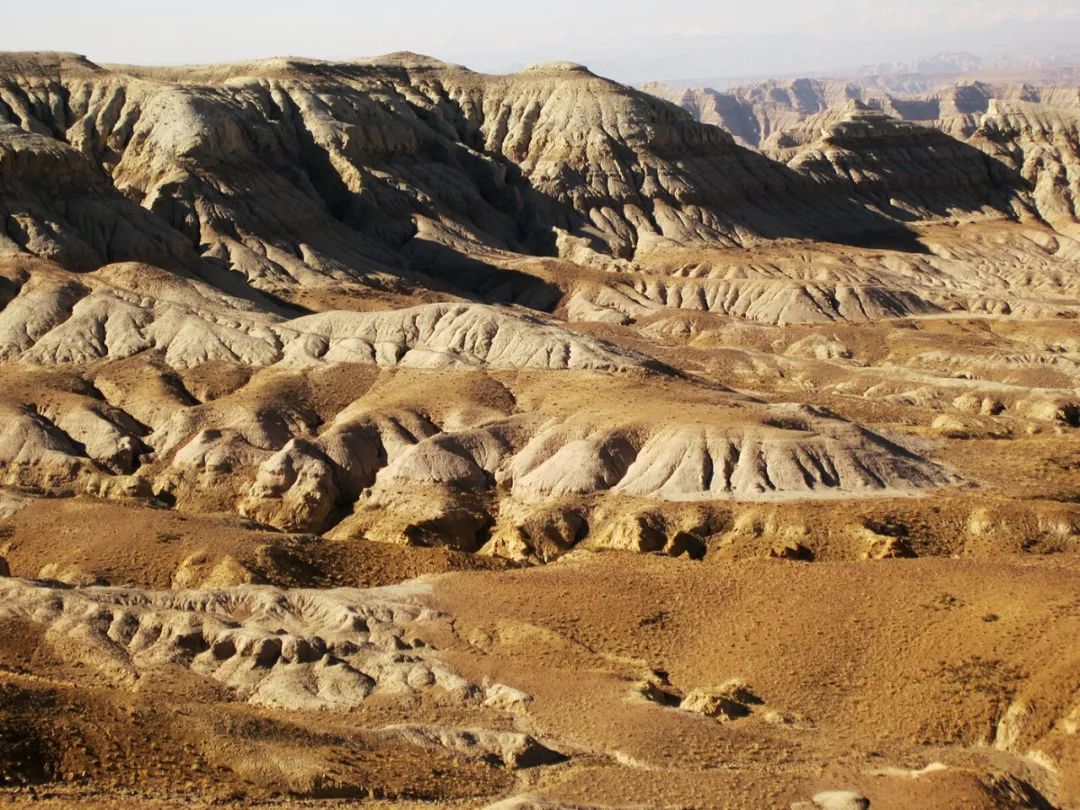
[(392, 433)]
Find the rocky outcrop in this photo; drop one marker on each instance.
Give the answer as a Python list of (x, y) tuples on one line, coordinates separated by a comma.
[(446, 336), (775, 116), (757, 115), (526, 466), (56, 205), (764, 299), (325, 650), (1041, 144), (1028, 131), (509, 749), (294, 323), (733, 700), (57, 318), (239, 253)]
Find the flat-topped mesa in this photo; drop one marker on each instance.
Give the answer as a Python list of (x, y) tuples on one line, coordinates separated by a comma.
[(862, 121), (409, 60), (911, 170), (557, 66), (45, 64)]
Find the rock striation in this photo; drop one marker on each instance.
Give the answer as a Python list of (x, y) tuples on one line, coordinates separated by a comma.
[(398, 166)]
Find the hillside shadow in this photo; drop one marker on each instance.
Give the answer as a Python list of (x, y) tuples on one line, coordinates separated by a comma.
[(956, 180), (480, 281), (747, 190)]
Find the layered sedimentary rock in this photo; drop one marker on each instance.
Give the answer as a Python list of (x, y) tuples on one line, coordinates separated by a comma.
[(756, 114), (1028, 131), (775, 115), (308, 173), (904, 166), (1041, 143), (122, 310), (191, 252), (288, 325)]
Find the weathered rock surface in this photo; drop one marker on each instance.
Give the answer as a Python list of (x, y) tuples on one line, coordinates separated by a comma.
[(298, 650), (123, 310), (254, 317), (839, 800), (730, 701), (399, 165), (510, 749), (1027, 131)]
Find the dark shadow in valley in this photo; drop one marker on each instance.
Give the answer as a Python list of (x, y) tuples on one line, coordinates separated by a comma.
[(480, 281)]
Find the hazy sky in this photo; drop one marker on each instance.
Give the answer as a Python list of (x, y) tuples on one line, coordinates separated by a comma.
[(631, 40)]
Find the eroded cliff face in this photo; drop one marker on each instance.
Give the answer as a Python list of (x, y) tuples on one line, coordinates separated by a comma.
[(1028, 132), (292, 172), (771, 115), (757, 114), (1042, 144), (903, 165), (295, 172)]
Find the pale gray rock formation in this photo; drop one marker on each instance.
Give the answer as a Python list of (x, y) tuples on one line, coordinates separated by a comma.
[(763, 299), (447, 335), (322, 650), (911, 165), (757, 114), (290, 218), (840, 800), (794, 450), (1039, 143), (122, 310), (407, 169), (439, 492), (28, 440), (280, 462), (1028, 275), (777, 115), (1027, 130)]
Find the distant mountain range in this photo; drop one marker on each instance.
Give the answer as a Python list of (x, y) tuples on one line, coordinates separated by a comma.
[(964, 62), (1053, 66)]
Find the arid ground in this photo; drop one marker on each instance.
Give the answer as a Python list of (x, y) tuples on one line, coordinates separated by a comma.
[(396, 434)]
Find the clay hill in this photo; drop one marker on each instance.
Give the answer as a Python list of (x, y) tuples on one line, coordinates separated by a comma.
[(389, 432)]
